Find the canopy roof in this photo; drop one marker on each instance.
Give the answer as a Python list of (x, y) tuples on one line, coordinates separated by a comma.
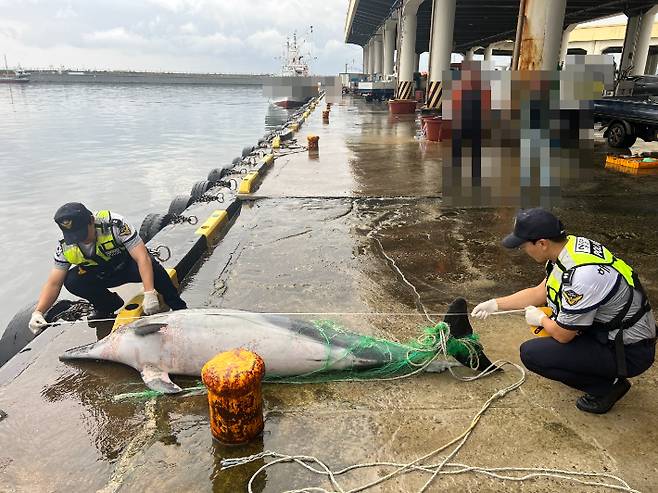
[(477, 22)]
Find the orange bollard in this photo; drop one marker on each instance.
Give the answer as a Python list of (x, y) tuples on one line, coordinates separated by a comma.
[(313, 142), (233, 379)]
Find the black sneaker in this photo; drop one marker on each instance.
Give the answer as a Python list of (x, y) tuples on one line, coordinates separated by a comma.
[(602, 404)]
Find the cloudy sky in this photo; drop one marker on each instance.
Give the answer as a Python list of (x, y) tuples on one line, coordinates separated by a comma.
[(236, 36)]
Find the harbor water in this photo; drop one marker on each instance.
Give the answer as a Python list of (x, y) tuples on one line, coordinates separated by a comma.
[(127, 148)]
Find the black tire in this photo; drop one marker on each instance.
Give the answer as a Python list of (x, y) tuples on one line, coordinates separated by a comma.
[(247, 150), (57, 309), (179, 204), (217, 174), (236, 161), (199, 188), (619, 137), (17, 335), (152, 224)]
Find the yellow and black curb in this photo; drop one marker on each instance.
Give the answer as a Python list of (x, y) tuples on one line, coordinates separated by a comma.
[(188, 242)]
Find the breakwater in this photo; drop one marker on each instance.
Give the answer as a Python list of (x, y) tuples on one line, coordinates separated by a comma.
[(128, 77)]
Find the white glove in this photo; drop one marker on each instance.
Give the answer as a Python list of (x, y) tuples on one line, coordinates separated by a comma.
[(484, 309), (37, 322), (534, 316), (151, 303)]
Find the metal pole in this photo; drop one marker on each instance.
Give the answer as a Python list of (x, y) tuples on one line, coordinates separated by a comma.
[(519, 36)]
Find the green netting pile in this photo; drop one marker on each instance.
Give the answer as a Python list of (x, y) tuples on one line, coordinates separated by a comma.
[(382, 358)]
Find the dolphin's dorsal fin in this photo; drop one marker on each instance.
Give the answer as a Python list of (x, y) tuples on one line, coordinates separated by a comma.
[(142, 330), (158, 380)]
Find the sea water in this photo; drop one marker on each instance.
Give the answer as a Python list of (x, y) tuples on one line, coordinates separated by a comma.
[(127, 148)]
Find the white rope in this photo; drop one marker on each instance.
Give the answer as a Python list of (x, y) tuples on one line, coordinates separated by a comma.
[(375, 314), (445, 466)]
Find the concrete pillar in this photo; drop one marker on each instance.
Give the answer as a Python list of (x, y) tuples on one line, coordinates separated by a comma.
[(441, 41), (488, 52), (389, 46), (541, 35), (365, 59), (652, 65), (371, 57), (643, 41), (377, 42), (408, 24), (628, 51), (565, 42), (470, 54)]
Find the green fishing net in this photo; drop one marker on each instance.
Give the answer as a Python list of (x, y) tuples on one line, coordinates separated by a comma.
[(389, 359)]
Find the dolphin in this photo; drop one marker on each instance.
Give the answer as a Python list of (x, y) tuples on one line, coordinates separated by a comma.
[(181, 342)]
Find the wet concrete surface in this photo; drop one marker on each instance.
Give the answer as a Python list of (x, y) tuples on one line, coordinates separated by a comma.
[(318, 237)]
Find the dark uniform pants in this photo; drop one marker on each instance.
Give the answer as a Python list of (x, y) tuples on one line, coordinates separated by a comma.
[(89, 286), (584, 363)]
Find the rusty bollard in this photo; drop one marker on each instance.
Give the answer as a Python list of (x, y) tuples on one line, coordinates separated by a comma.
[(312, 142), (233, 379), (325, 116)]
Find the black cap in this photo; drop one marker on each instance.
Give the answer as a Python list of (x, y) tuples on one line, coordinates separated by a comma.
[(531, 225), (73, 219)]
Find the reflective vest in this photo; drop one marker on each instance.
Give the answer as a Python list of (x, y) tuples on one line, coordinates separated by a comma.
[(580, 251), (109, 254), (583, 251)]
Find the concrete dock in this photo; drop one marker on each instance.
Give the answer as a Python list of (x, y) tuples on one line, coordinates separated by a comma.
[(318, 237)]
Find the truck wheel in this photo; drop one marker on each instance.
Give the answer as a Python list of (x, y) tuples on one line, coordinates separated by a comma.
[(619, 137)]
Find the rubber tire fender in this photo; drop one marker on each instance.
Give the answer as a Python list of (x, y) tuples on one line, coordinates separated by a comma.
[(152, 224), (17, 335), (199, 188), (247, 150), (217, 174), (179, 204)]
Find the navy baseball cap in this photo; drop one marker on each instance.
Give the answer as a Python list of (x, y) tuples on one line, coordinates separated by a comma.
[(533, 224), (73, 219)]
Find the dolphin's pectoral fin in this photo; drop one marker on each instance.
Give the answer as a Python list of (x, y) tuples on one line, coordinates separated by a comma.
[(146, 329), (158, 380), (440, 365)]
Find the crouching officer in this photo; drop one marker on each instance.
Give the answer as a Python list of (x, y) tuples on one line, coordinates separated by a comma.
[(100, 251), (602, 328)]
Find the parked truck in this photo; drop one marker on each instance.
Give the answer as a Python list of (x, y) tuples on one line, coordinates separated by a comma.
[(631, 113)]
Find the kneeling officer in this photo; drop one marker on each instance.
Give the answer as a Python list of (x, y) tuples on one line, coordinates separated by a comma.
[(105, 251)]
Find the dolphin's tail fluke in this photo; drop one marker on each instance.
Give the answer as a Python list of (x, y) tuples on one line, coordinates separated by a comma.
[(460, 327)]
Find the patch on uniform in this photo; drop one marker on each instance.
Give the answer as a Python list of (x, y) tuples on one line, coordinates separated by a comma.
[(572, 297), (583, 245), (567, 277), (125, 230), (597, 249)]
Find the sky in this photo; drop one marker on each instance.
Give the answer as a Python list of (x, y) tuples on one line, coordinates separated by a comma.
[(215, 36)]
